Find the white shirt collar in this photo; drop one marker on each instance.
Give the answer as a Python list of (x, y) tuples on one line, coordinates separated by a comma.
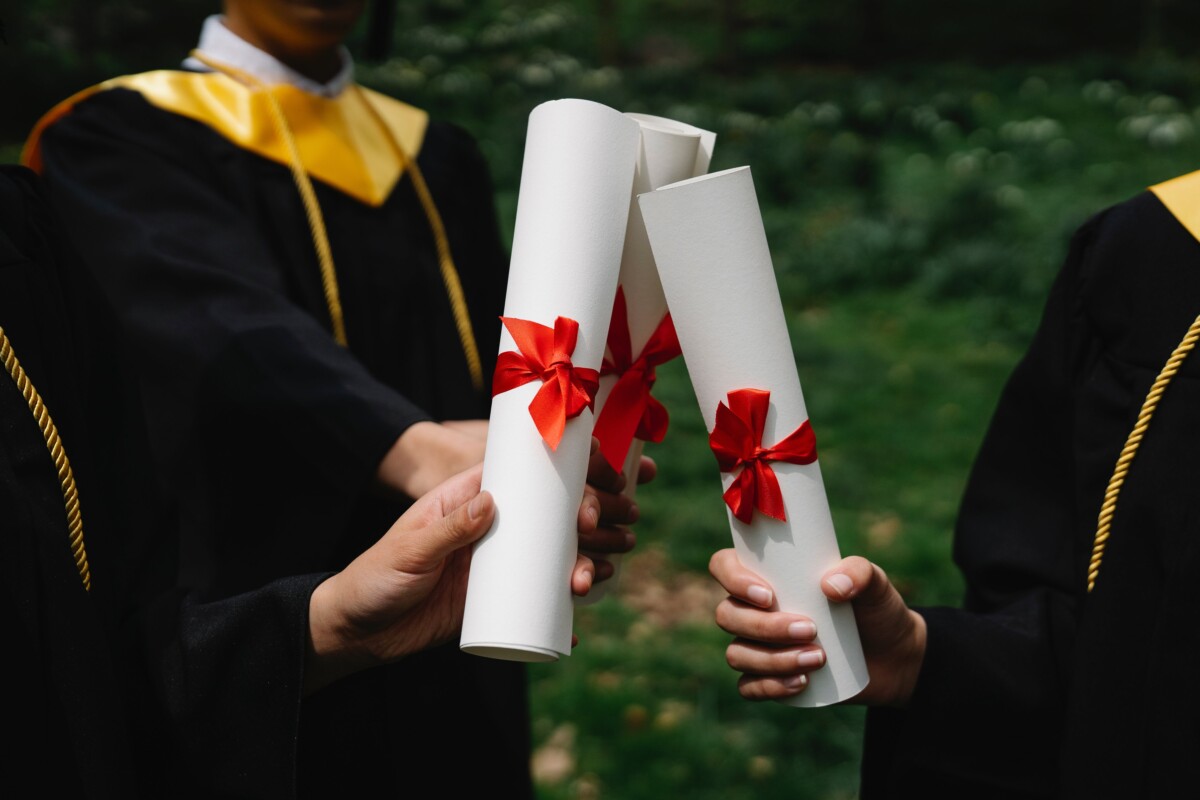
[(223, 45)]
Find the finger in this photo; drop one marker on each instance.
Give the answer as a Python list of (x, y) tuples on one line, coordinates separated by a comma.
[(589, 513), (856, 578), (757, 687), (756, 659), (442, 500), (582, 575), (739, 581), (612, 539), (600, 473), (772, 627), (604, 569), (615, 508), (424, 549), (647, 470)]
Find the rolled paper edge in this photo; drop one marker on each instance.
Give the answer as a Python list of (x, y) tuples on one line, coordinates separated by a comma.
[(505, 651)]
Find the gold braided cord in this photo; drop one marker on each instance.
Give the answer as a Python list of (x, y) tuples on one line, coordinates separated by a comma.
[(458, 301), (312, 209), (1109, 506), (66, 477)]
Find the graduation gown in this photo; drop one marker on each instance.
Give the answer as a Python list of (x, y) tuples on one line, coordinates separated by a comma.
[(111, 686), (64, 704), (266, 431), (1037, 688)]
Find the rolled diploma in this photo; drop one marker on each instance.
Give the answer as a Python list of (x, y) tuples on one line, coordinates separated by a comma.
[(571, 215), (670, 151), (712, 256)]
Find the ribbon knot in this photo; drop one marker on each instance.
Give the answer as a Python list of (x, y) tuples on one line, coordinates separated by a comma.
[(544, 354), (736, 440), (630, 411)]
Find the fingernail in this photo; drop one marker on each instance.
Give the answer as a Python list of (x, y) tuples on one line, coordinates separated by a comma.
[(630, 540), (759, 595), (593, 515), (591, 576), (811, 658), (796, 682), (802, 630), (475, 507), (841, 584)]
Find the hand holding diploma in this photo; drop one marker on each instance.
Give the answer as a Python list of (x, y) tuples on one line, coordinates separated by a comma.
[(775, 651), (406, 592), (712, 255), (572, 210)]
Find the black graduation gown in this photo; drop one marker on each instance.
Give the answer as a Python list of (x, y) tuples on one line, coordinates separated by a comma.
[(64, 705), (113, 691), (1038, 688), (267, 433)]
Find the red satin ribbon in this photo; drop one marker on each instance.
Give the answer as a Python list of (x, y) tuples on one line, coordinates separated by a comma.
[(736, 440), (630, 411), (545, 355)]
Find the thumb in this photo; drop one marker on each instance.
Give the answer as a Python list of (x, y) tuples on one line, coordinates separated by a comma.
[(857, 579), (427, 547)]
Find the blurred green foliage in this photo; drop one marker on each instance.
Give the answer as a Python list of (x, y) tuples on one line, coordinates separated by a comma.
[(920, 167)]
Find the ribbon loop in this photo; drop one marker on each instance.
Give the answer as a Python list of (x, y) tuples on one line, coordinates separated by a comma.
[(544, 354), (630, 411), (736, 441)]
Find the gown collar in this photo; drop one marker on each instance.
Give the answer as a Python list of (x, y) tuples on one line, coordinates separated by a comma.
[(223, 45)]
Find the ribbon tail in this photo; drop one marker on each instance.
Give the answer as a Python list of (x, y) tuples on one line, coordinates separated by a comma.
[(769, 497), (740, 495), (619, 418), (654, 422), (549, 414)]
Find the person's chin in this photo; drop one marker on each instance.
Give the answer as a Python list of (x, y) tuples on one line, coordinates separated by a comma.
[(328, 15)]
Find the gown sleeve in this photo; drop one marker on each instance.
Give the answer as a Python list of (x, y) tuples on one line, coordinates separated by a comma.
[(201, 300)]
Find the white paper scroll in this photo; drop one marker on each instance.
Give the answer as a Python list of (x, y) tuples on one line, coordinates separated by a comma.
[(670, 151), (712, 255), (571, 216)]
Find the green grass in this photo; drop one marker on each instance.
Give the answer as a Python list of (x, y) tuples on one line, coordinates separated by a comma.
[(899, 391), (916, 218)]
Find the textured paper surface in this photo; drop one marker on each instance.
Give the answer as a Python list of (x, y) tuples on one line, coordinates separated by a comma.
[(670, 151), (712, 256), (572, 210)]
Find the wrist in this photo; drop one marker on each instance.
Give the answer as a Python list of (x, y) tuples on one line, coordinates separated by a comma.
[(400, 468), (334, 650), (425, 455)]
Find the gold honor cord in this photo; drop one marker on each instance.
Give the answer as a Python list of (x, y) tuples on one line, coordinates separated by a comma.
[(1109, 507), (316, 222), (66, 477), (458, 302)]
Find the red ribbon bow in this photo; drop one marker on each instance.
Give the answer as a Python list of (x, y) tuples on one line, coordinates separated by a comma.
[(630, 411), (736, 440), (545, 355)]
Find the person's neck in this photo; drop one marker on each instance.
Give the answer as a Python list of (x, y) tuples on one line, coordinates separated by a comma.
[(321, 66)]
